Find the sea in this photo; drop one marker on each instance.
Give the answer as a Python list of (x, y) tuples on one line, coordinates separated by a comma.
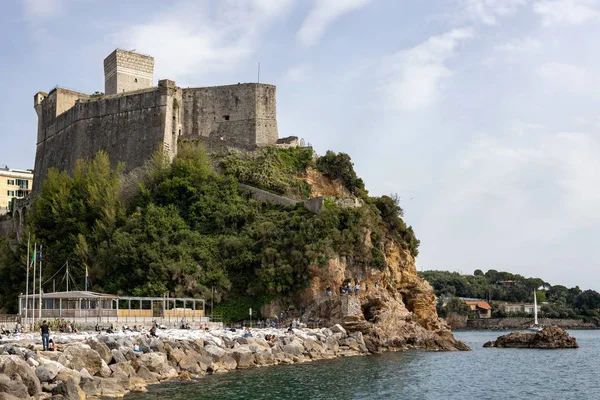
[(483, 373)]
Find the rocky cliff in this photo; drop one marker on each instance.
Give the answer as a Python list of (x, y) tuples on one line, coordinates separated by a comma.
[(394, 310)]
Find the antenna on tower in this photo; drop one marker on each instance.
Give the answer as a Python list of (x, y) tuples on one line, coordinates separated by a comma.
[(258, 78)]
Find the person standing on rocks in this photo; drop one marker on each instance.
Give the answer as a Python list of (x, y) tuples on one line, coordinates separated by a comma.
[(45, 330)]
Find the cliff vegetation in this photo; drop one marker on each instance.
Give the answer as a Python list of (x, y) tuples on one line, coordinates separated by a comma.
[(182, 229)]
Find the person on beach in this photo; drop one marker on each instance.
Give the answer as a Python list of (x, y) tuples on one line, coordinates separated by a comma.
[(328, 291), (349, 289), (45, 330), (356, 288), (153, 332), (51, 345)]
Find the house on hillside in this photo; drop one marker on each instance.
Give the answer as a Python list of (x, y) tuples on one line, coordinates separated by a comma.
[(478, 308), (519, 307)]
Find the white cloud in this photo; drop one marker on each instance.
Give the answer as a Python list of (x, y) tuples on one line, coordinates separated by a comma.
[(39, 10), (524, 45), (195, 37), (412, 77), (569, 78), (479, 12), (487, 12), (298, 73), (543, 186), (568, 11), (323, 14)]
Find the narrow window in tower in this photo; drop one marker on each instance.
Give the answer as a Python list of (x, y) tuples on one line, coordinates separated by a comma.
[(135, 80), (226, 117)]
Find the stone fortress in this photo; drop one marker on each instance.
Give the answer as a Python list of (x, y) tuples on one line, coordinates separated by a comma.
[(133, 118)]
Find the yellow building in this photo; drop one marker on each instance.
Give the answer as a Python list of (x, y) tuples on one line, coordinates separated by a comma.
[(14, 183)]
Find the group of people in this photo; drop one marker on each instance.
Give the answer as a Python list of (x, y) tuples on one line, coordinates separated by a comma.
[(349, 289)]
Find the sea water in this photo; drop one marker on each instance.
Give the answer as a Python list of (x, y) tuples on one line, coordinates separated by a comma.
[(484, 373)]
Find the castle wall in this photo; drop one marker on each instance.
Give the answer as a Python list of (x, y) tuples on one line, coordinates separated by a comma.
[(242, 115), (129, 127)]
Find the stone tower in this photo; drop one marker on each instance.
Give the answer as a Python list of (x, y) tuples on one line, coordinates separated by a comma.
[(126, 71)]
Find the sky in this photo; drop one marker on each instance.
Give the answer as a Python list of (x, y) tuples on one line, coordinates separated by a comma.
[(482, 115)]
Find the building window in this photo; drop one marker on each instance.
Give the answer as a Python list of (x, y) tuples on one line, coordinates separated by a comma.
[(11, 182), (23, 184), (226, 117), (10, 193), (135, 80)]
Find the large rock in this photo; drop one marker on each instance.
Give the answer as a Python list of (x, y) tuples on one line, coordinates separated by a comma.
[(46, 372), (103, 351), (82, 356), (109, 387), (153, 361), (243, 357), (69, 391), (215, 352), (7, 396), (69, 375), (551, 337), (13, 387), (14, 365), (190, 364)]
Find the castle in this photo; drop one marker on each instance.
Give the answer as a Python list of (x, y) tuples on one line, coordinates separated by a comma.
[(133, 118)]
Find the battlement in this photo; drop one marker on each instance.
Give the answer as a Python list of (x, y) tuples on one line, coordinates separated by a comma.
[(126, 71)]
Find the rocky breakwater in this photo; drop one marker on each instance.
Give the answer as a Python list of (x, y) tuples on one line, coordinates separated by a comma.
[(93, 366), (551, 337)]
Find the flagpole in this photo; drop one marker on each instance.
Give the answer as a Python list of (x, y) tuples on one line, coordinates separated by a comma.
[(67, 275), (40, 255), (34, 269), (86, 278), (27, 279)]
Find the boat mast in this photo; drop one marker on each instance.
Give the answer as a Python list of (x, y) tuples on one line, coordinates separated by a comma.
[(535, 319), (27, 265), (40, 281)]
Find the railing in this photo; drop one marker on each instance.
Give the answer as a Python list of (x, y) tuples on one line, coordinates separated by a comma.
[(4, 318)]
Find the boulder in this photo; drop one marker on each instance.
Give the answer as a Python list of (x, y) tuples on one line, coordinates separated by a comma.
[(145, 374), (215, 352), (190, 364), (69, 375), (82, 356), (153, 361), (14, 365), (117, 356), (124, 367), (337, 328), (69, 391), (8, 396), (243, 357), (103, 351), (46, 372), (551, 337), (109, 387), (13, 387), (105, 371)]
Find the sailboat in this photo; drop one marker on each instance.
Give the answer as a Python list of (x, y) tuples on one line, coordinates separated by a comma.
[(536, 327)]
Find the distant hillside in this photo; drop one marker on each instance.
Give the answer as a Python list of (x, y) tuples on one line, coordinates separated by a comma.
[(496, 286)]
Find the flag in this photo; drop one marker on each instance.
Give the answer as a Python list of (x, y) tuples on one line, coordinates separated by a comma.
[(40, 253), (32, 259), (86, 278)]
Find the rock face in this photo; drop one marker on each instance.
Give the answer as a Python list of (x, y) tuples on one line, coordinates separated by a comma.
[(551, 337), (400, 313)]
